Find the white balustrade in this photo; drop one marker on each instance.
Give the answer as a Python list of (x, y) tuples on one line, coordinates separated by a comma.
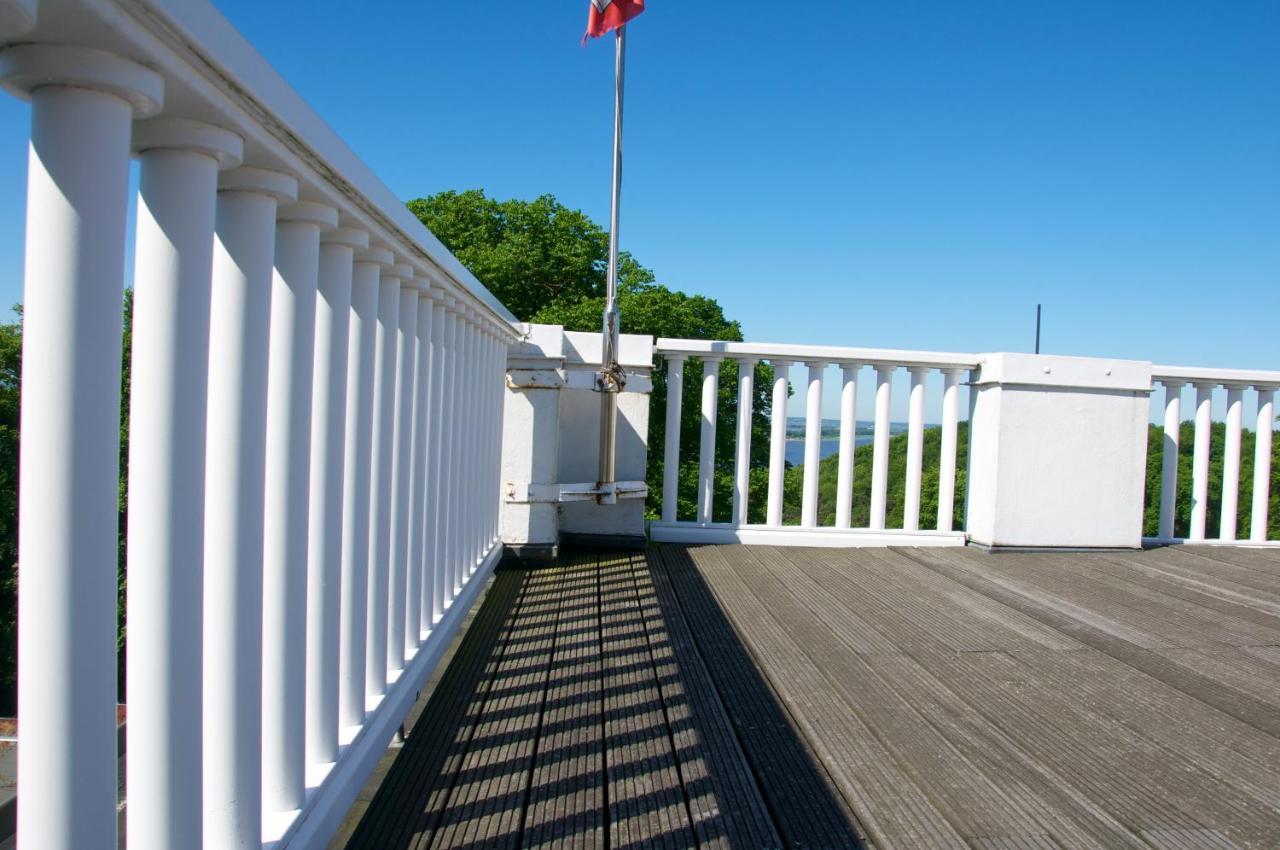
[(742, 462), (362, 373), (313, 464), (177, 200), (812, 444), (1169, 458), (915, 451), (329, 390), (707, 443), (848, 444), (880, 446), (812, 529), (401, 469), (1262, 463), (778, 439), (1237, 384), (947, 457)]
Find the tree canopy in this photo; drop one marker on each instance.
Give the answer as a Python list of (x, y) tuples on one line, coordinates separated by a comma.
[(530, 254)]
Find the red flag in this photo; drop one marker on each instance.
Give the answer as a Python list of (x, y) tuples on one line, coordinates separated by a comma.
[(607, 15)]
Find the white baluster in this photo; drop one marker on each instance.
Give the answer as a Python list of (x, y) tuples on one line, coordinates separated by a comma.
[(848, 443), (671, 449), (1200, 461), (449, 498), (285, 531), (362, 378), (381, 499), (177, 200), (328, 467), (419, 584), (1231, 463), (915, 450), (437, 462), (83, 103), (1262, 463), (777, 441), (812, 445), (880, 455), (466, 429), (1169, 459), (707, 446), (947, 458), (742, 464), (235, 487), (401, 468)]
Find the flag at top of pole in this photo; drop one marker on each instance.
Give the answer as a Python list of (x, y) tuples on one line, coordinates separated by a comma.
[(607, 15)]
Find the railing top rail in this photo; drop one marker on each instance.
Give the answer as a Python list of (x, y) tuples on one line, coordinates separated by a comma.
[(1201, 375), (212, 73), (818, 353)]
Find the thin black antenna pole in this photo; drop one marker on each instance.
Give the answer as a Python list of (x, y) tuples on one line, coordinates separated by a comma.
[(1037, 329)]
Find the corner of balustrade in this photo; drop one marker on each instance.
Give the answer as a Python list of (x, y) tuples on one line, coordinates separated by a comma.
[(551, 440), (1058, 452)]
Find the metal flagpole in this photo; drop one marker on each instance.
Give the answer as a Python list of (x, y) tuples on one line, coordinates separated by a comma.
[(612, 379)]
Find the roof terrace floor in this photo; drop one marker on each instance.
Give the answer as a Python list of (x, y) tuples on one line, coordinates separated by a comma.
[(733, 696)]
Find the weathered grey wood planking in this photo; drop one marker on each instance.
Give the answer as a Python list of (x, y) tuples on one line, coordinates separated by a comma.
[(755, 697)]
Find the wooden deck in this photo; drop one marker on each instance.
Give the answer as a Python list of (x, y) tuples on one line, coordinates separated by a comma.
[(731, 696)]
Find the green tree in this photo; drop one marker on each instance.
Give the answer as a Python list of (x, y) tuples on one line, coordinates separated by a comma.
[(10, 408), (529, 254)]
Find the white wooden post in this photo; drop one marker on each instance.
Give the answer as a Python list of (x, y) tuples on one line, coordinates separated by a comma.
[(707, 445), (777, 441), (671, 449), (437, 461), (362, 378), (1231, 462), (419, 584), (285, 529), (381, 499), (1200, 461), (742, 465), (401, 469), (177, 200), (915, 450), (848, 444), (235, 487), (1262, 463), (947, 457), (1169, 459), (328, 467), (880, 456), (82, 106), (448, 494), (812, 445)]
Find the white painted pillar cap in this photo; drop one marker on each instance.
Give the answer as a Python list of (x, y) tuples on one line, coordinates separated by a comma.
[(27, 67), (351, 237), (184, 134), (259, 181), (376, 256), (322, 216)]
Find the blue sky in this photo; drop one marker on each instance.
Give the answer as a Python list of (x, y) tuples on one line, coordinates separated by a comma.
[(912, 175)]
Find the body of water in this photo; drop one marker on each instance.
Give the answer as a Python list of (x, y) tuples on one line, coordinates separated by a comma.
[(795, 447)]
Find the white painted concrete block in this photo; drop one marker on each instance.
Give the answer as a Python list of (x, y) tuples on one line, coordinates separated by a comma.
[(1059, 452)]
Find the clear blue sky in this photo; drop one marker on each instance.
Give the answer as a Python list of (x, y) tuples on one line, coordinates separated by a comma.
[(913, 175)]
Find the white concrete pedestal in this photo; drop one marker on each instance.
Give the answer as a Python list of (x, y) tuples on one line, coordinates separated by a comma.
[(1058, 452), (551, 437)]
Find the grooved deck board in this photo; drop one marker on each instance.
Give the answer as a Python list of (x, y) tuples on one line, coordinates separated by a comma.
[(752, 697)]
